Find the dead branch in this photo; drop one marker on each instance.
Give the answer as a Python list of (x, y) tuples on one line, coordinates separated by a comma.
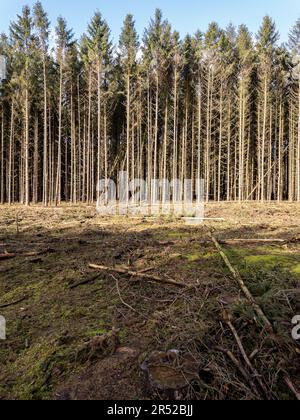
[(252, 241), (259, 241), (6, 305), (130, 273), (122, 300), (84, 281), (292, 388), (242, 284), (7, 256), (240, 367), (147, 270), (255, 373)]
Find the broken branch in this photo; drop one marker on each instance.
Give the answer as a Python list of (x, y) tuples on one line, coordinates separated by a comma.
[(6, 305), (242, 284), (252, 241), (137, 274), (256, 375), (240, 367), (122, 300), (292, 388), (84, 281), (7, 256)]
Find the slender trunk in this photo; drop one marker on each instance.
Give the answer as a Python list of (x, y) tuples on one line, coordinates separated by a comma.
[(99, 126), (264, 133), (2, 157), (26, 169), (36, 161), (58, 171), (11, 156), (45, 154)]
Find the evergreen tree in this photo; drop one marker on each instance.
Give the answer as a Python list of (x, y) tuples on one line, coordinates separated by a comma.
[(294, 45), (42, 26), (98, 60), (219, 105), (22, 39)]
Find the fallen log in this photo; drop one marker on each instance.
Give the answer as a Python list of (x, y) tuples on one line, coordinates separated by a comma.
[(137, 274), (242, 284)]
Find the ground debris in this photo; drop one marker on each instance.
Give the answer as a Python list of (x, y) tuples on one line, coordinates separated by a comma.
[(131, 273), (61, 325), (171, 370), (98, 347)]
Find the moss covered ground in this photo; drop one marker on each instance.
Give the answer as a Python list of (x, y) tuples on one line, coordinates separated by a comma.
[(51, 324)]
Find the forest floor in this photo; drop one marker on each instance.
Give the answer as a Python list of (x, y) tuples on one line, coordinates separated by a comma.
[(67, 340)]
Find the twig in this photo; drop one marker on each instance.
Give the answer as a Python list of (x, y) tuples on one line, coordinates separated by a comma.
[(85, 281), (256, 375), (147, 270), (137, 274), (7, 256), (242, 284), (252, 241), (17, 223), (6, 305), (239, 366), (122, 300), (292, 388)]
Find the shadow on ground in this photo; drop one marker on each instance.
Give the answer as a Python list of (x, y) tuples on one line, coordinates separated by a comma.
[(49, 322)]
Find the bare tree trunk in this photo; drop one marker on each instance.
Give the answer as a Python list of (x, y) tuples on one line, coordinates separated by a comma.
[(220, 143), (27, 186), (58, 172), (2, 157), (263, 145), (128, 136), (45, 154), (298, 146), (11, 156), (99, 126), (36, 161), (88, 168)]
